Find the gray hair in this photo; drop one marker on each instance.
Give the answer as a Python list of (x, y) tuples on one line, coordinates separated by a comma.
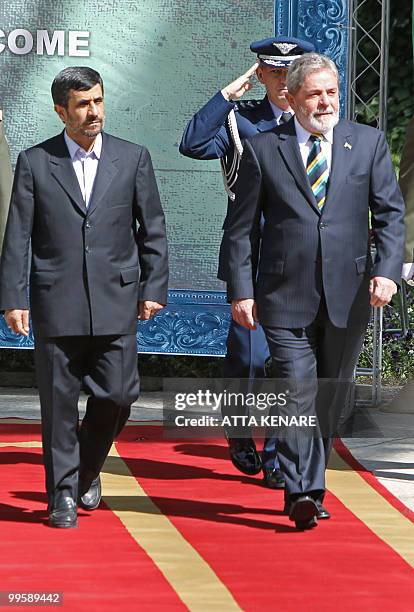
[(304, 65)]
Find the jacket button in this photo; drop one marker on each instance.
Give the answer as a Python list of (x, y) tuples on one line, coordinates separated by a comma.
[(87, 225), (87, 249), (322, 225)]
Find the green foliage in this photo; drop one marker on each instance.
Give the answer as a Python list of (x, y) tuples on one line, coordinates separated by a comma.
[(397, 351)]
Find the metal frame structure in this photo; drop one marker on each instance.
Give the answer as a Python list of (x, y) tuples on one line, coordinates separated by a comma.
[(374, 65)]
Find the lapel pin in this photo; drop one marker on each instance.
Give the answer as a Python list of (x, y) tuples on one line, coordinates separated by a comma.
[(347, 145)]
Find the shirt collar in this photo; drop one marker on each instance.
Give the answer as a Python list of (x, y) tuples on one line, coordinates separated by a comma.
[(74, 148), (278, 112), (303, 135)]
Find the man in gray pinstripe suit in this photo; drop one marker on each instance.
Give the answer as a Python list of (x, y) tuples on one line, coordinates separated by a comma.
[(314, 181)]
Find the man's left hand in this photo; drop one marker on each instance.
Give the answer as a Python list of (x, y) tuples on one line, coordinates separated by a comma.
[(148, 309), (381, 289)]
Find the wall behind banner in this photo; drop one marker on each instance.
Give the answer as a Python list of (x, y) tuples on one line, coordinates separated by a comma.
[(160, 62)]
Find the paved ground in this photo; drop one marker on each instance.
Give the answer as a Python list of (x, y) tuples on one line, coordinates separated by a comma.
[(382, 439)]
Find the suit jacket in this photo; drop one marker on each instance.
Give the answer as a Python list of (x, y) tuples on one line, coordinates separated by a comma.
[(407, 188), (91, 265), (304, 252), (6, 179)]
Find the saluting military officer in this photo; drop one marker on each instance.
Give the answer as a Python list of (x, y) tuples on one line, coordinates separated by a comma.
[(217, 131), (6, 179)]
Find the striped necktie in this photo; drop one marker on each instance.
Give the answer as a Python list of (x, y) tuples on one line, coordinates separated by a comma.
[(285, 117), (317, 170)]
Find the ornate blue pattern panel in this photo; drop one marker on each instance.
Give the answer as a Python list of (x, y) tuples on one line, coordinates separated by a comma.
[(193, 323), (325, 23)]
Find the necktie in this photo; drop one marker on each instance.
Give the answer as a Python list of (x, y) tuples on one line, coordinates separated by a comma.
[(317, 170), (285, 117)]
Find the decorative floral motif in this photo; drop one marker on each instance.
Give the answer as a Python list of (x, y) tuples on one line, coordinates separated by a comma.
[(188, 331), (325, 21)]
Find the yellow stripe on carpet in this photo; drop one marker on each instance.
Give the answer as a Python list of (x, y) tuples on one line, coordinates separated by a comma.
[(370, 507), (32, 444), (189, 575)]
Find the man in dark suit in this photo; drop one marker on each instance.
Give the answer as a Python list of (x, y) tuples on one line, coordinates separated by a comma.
[(89, 204), (216, 131), (308, 277), (6, 179)]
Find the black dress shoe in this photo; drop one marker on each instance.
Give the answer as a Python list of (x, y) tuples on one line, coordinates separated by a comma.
[(63, 513), (92, 497), (273, 478), (303, 525), (304, 511), (322, 511), (244, 455)]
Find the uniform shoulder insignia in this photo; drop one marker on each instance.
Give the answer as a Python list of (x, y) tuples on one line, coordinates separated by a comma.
[(243, 105)]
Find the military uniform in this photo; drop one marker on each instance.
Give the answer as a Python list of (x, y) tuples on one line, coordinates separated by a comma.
[(211, 134)]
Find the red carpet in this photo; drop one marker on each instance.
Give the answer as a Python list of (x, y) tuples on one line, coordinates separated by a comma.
[(233, 522), (97, 566)]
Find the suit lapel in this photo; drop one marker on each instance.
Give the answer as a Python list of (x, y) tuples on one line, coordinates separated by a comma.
[(341, 155), (289, 149), (61, 168), (107, 170)]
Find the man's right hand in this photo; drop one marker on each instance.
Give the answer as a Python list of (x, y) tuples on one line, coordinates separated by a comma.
[(238, 88), (18, 321), (244, 313)]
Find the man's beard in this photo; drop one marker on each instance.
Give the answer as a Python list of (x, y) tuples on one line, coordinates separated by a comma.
[(320, 123), (83, 129), (96, 131)]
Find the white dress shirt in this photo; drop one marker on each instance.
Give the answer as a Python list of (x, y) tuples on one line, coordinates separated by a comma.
[(305, 144), (85, 164)]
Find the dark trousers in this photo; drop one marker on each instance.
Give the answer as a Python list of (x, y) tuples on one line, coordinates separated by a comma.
[(107, 367), (247, 351), (319, 362)]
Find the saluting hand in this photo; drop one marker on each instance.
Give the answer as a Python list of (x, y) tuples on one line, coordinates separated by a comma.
[(244, 313), (238, 88), (381, 289), (148, 309)]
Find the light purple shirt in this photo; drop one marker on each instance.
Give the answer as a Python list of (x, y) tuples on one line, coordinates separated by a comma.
[(85, 164)]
